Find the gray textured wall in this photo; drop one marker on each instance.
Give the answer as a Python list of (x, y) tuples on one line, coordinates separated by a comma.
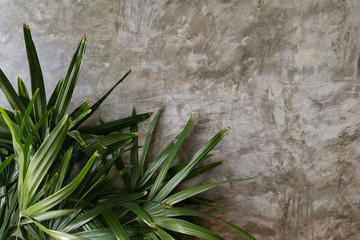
[(284, 74)]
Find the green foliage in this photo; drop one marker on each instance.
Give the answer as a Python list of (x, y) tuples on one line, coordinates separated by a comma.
[(40, 145)]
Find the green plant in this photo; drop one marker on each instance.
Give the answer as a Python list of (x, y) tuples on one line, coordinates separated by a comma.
[(40, 144)]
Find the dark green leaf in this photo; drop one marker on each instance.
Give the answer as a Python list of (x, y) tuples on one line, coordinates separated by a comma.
[(37, 81), (67, 88), (10, 93), (55, 94), (23, 92), (100, 101), (116, 125)]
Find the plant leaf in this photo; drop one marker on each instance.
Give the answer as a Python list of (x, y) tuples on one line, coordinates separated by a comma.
[(172, 154), (100, 101), (43, 160), (6, 162), (37, 81), (116, 125), (147, 144), (185, 227), (48, 215), (186, 170), (60, 195), (55, 94), (180, 212), (163, 234), (84, 107), (134, 156), (63, 168), (23, 92), (67, 88), (56, 234), (140, 212), (75, 134), (115, 226), (10, 93), (27, 114), (180, 196)]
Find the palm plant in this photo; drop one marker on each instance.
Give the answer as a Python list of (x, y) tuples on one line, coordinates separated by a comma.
[(40, 144)]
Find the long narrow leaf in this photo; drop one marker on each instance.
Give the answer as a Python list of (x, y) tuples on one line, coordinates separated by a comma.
[(23, 92), (4, 164), (115, 226), (10, 93), (155, 165), (163, 234), (67, 88), (182, 226), (63, 169), (79, 118), (37, 81), (103, 234), (55, 94), (27, 114), (84, 107), (48, 215), (180, 196), (77, 136), (147, 144), (172, 154), (205, 202), (60, 195), (107, 141), (56, 234), (116, 125), (186, 170), (140, 212), (100, 101), (134, 156), (181, 212), (18, 152), (43, 159)]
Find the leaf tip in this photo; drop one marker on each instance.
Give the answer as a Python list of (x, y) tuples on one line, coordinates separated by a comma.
[(223, 162), (61, 80), (150, 113), (25, 26), (228, 128), (129, 71), (85, 38), (153, 226), (68, 117)]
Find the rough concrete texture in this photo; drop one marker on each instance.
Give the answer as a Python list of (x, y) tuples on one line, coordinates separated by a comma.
[(284, 74)]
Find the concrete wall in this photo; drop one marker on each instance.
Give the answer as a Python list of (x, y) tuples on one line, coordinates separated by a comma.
[(284, 74)]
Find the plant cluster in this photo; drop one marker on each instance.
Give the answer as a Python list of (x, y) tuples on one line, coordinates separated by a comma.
[(40, 144)]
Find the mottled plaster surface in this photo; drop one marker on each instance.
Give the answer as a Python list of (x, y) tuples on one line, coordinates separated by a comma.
[(284, 74)]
